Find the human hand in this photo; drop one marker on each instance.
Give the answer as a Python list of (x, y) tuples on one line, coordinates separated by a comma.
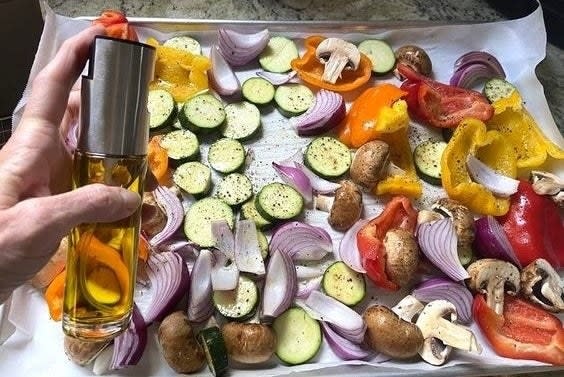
[(36, 207)]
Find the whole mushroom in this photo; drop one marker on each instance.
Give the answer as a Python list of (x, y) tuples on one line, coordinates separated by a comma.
[(83, 352), (337, 55), (249, 343), (414, 57), (371, 164), (345, 208), (402, 256)]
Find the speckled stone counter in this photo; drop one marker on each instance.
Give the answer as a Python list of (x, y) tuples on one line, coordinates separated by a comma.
[(550, 71)]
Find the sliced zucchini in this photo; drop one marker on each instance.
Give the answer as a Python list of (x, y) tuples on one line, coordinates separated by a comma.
[(496, 88), (278, 54), (298, 336), (249, 211), (162, 109), (226, 155), (263, 244), (427, 158), (240, 303), (279, 201), (293, 99), (193, 177), (184, 43), (380, 54), (344, 284), (327, 157), (198, 219), (242, 120), (235, 189), (181, 146), (258, 91), (202, 113), (213, 344)]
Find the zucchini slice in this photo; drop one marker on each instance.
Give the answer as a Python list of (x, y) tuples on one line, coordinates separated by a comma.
[(235, 189), (293, 99), (278, 54), (202, 113), (240, 303), (496, 88), (279, 201), (199, 217), (162, 109), (298, 336), (328, 157), (242, 121), (181, 146), (427, 158), (213, 344), (184, 43), (380, 54), (226, 155), (193, 177), (249, 212), (258, 91), (344, 284), (263, 244)]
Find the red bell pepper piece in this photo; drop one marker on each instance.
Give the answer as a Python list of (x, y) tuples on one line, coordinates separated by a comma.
[(398, 213), (534, 227), (116, 25), (524, 331)]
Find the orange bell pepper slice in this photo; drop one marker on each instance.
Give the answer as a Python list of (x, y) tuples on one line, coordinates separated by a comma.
[(310, 69), (116, 25), (157, 158), (144, 249), (54, 296)]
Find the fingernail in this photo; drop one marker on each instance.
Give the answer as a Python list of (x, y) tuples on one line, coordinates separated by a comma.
[(131, 200)]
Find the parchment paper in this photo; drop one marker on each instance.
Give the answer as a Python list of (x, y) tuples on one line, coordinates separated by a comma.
[(36, 346)]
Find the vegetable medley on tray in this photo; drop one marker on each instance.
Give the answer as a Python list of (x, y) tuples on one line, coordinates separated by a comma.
[(232, 273)]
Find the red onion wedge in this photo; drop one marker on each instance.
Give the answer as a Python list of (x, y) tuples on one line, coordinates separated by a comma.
[(438, 242), (247, 251), (224, 274), (277, 78), (344, 320), (187, 249), (342, 347), (491, 241), (239, 49), (498, 184), (301, 241), (130, 345), (319, 184), (474, 66), (305, 288), (223, 79), (174, 214), (168, 282), (326, 113), (280, 285), (309, 272), (444, 289), (200, 305), (348, 249), (479, 57), (296, 178)]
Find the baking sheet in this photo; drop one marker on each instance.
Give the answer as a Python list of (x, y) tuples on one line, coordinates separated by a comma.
[(36, 346)]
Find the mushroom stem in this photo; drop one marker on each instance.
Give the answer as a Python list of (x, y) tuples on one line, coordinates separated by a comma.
[(408, 308), (323, 202), (333, 68), (456, 336), (496, 294)]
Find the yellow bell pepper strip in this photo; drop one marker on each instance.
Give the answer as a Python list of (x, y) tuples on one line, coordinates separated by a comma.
[(54, 296), (310, 69), (179, 72), (518, 127), (472, 138)]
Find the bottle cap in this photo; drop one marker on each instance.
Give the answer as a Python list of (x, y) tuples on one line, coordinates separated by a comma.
[(114, 116)]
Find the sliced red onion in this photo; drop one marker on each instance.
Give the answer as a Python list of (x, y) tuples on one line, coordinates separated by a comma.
[(239, 49), (498, 184), (342, 347), (225, 274), (277, 78), (309, 272), (438, 242), (224, 239), (301, 241), (168, 282), (491, 241), (130, 344), (223, 79), (280, 285), (480, 57), (468, 75), (185, 248), (296, 178), (345, 321), (200, 305), (305, 288), (444, 289), (247, 251), (319, 184), (174, 214), (326, 113), (348, 249)]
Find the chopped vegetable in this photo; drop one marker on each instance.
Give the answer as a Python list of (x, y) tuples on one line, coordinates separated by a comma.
[(54, 296), (326, 113), (444, 289), (240, 48), (157, 158), (180, 348), (474, 66), (116, 25)]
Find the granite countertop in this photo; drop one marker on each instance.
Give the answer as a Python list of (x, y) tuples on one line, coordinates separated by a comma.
[(550, 72)]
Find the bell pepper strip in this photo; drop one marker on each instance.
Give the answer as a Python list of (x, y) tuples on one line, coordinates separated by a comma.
[(157, 158), (524, 331), (398, 213), (144, 249), (442, 105), (54, 296), (310, 69), (116, 25), (179, 72), (534, 227), (519, 128), (490, 147)]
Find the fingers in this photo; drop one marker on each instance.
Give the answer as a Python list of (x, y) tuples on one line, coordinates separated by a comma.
[(50, 90)]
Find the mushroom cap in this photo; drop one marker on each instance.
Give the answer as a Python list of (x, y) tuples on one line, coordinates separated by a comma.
[(370, 163), (416, 58), (329, 46), (83, 352), (541, 284), (402, 256), (249, 342), (347, 206)]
